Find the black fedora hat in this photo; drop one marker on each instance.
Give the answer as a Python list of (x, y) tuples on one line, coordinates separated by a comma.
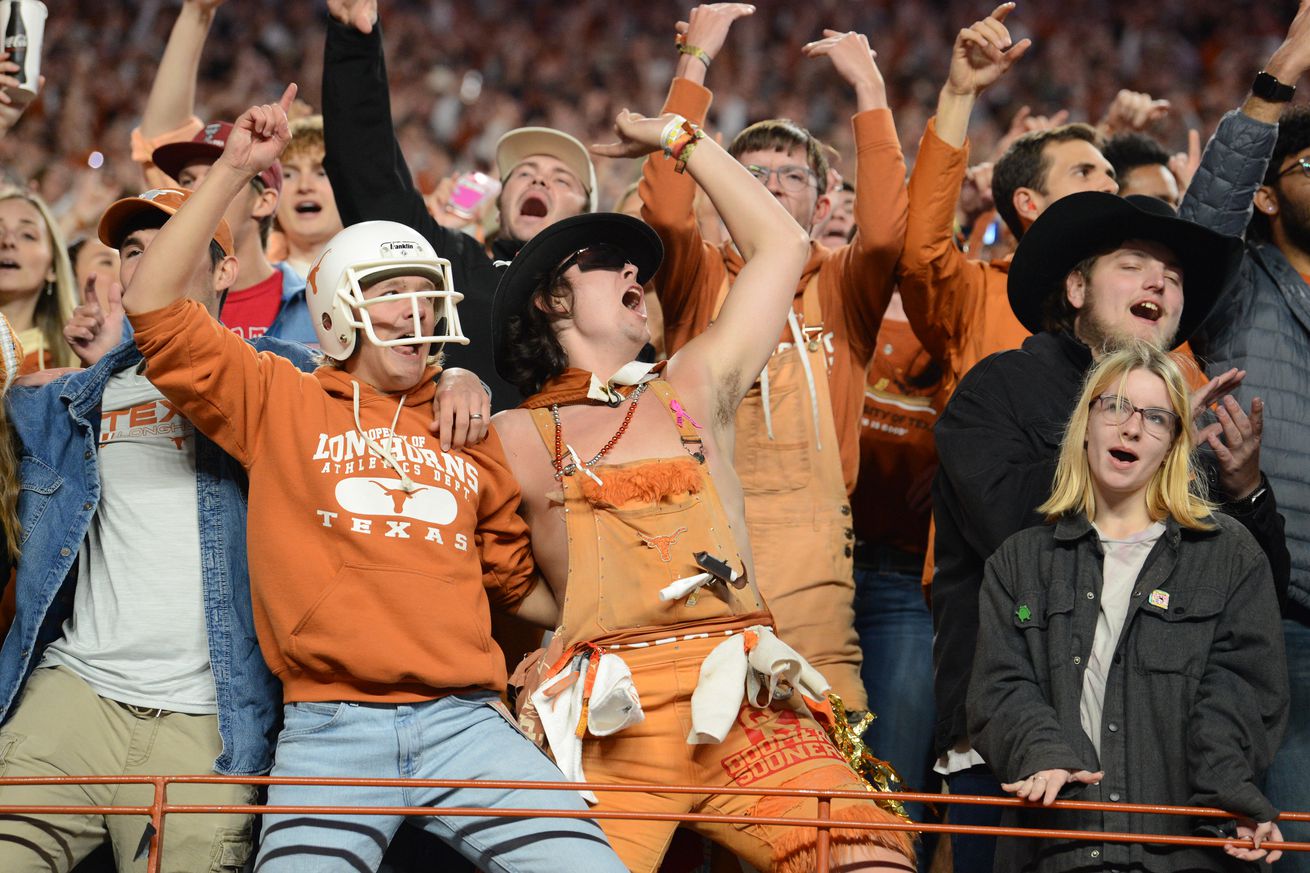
[(548, 249), (1078, 226)]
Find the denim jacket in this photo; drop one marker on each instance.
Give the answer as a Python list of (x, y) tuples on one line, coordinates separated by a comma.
[(293, 322), (58, 426)]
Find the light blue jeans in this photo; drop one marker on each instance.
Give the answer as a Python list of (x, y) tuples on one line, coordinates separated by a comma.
[(457, 737)]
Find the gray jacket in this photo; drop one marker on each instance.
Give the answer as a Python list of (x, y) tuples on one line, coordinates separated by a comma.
[(1262, 325), (1195, 703)]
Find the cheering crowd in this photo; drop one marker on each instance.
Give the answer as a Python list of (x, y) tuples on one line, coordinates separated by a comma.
[(386, 435)]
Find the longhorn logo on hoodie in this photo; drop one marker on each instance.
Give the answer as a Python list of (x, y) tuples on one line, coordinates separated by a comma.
[(387, 497)]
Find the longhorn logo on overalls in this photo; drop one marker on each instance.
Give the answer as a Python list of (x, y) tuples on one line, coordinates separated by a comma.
[(663, 543)]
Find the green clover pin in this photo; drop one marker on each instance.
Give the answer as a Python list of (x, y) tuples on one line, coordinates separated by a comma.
[(1023, 613)]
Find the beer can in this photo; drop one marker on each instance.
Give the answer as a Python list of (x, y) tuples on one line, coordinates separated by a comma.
[(22, 26)]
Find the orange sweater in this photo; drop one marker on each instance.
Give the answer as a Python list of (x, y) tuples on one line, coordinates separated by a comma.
[(361, 591), (855, 281)]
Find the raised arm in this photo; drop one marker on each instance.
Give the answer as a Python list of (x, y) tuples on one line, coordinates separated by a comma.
[(1234, 163), (730, 353), (172, 99), (866, 266), (942, 289), (689, 278), (257, 139)]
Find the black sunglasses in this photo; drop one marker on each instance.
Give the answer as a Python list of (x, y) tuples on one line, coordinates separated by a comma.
[(602, 256)]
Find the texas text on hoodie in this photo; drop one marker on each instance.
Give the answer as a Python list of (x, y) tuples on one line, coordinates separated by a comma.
[(373, 554)]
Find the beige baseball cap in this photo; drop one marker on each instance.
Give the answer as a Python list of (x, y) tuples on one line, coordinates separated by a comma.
[(523, 142)]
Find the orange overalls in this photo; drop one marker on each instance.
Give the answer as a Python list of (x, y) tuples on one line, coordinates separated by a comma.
[(628, 539), (797, 513)]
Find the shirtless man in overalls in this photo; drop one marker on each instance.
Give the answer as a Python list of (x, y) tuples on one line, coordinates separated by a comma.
[(637, 523)]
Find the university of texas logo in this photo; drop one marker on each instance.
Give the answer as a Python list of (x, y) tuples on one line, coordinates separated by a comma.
[(372, 500)]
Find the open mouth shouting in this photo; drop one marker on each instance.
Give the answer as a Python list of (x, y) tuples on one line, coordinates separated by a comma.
[(1148, 310), (534, 206), (634, 299), (308, 207)]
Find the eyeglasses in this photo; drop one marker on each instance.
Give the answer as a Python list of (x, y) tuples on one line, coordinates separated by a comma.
[(792, 178), (1159, 423), (1302, 164), (602, 256)]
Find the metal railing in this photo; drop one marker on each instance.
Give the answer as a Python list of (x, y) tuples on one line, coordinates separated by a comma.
[(823, 822)]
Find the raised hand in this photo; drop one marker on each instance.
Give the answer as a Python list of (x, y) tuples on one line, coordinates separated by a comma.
[(359, 14), (638, 136), (12, 104), (1025, 122), (259, 135), (1292, 58), (1185, 164), (93, 330), (707, 26), (853, 59), (976, 193), (983, 53), (1044, 786), (1132, 111)]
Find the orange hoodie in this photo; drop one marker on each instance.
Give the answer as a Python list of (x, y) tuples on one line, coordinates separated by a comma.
[(363, 590)]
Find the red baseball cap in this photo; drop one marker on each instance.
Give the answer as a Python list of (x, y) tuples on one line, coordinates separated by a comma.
[(204, 148), (123, 217)]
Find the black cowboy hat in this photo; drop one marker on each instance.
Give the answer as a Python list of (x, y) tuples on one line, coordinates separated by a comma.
[(549, 248), (1081, 225)]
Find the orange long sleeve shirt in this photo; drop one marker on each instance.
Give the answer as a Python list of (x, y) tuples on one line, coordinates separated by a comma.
[(957, 306), (363, 590), (855, 281)]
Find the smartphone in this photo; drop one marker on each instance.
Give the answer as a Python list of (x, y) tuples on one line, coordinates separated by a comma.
[(471, 192)]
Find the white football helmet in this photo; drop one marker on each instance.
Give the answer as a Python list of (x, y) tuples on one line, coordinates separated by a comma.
[(369, 252)]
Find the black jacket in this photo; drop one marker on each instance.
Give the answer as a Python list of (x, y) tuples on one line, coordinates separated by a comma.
[(372, 182), (997, 441), (1195, 701)]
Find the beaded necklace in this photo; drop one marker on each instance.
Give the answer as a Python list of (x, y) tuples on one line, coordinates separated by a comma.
[(560, 469)]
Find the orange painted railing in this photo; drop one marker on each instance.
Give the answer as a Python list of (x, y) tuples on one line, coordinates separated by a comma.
[(160, 808)]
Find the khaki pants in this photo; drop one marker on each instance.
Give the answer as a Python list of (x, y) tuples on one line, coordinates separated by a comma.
[(62, 727)]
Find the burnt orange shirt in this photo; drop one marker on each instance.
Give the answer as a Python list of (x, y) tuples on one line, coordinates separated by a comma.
[(855, 281), (957, 306), (905, 394)]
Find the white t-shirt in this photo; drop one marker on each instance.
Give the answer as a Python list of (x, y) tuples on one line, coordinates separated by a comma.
[(137, 633), (1123, 563)]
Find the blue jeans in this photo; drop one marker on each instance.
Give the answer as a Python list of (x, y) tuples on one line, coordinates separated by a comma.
[(895, 629), (973, 853), (457, 737), (1287, 784)]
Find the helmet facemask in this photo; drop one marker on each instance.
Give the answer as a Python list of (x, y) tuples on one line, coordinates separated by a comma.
[(443, 297)]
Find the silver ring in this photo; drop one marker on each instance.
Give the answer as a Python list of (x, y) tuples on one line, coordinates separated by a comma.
[(475, 415)]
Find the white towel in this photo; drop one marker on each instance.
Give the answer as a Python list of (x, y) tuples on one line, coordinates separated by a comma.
[(730, 673), (614, 706)]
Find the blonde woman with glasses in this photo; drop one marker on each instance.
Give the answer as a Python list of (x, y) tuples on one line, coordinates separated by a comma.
[(1130, 650)]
